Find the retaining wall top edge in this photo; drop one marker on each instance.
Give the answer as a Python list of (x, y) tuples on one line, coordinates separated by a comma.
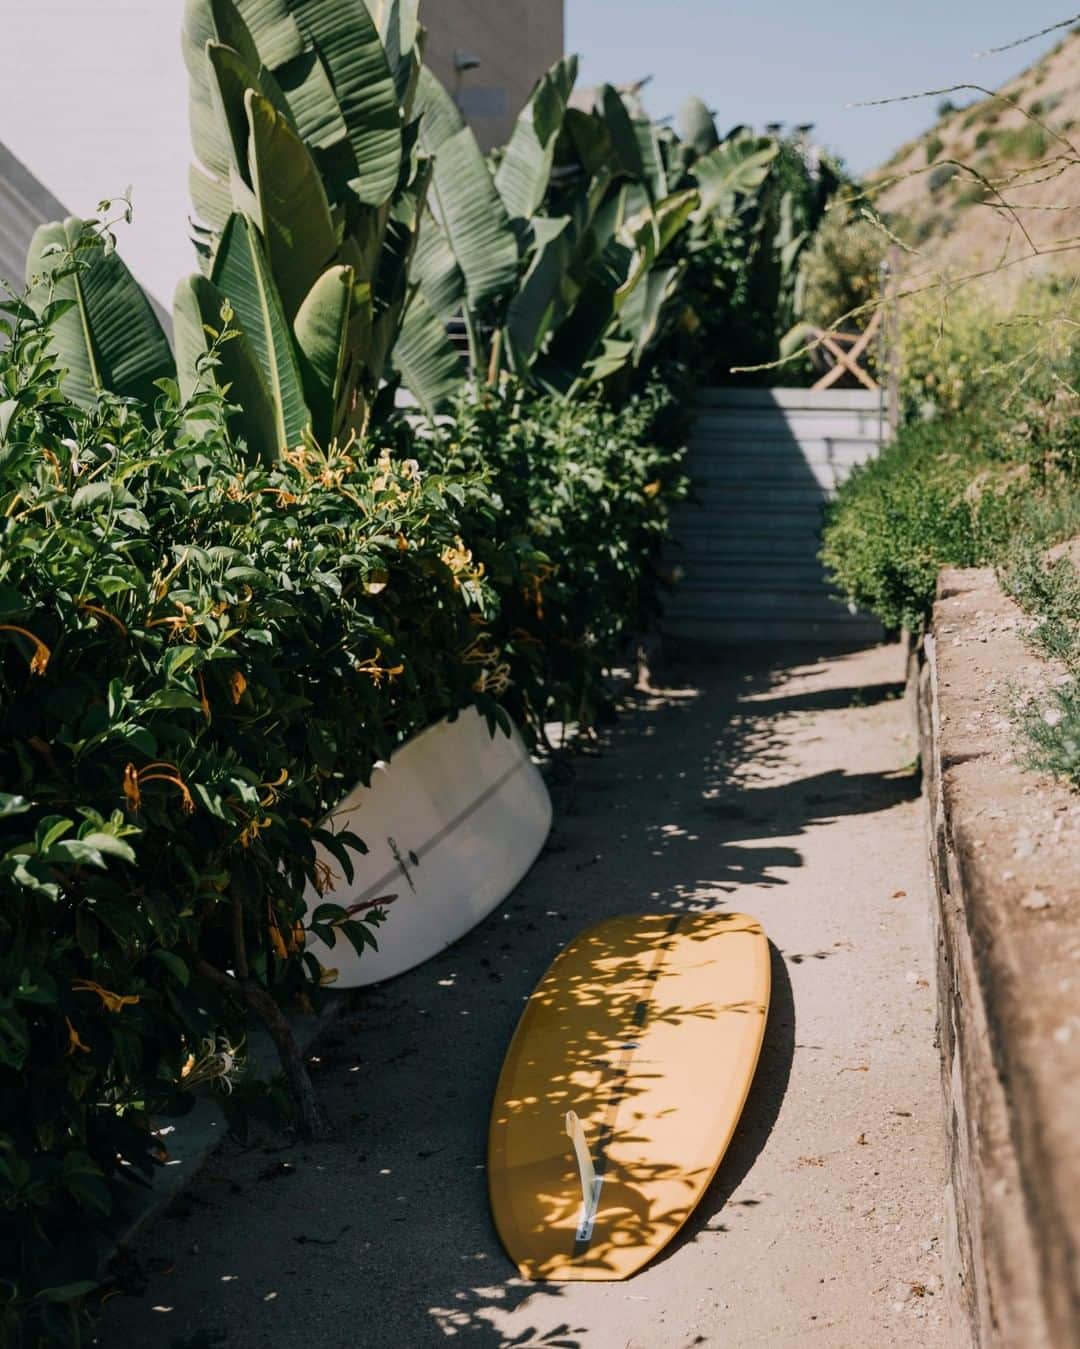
[(1014, 841)]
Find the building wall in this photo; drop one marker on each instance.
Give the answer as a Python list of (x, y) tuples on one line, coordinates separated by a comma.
[(114, 114), (24, 205), (515, 41)]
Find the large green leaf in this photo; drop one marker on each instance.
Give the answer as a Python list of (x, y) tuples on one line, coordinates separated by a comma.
[(294, 214), (471, 214), (210, 197), (110, 339), (436, 270), (576, 341), (697, 126), (534, 309), (197, 306), (399, 28), (733, 169), (641, 318), (440, 117), (620, 125), (274, 29), (243, 275), (231, 79), (397, 255), (523, 175), (463, 199), (263, 35), (425, 356), (233, 32), (652, 160), (306, 84), (350, 45), (331, 326), (652, 231), (591, 138), (209, 136)]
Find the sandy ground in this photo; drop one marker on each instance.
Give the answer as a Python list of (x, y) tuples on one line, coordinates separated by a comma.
[(775, 785)]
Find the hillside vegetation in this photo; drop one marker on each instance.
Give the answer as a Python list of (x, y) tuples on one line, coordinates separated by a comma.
[(995, 180)]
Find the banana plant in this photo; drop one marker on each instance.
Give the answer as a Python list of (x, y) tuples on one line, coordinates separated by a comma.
[(104, 328), (308, 190), (539, 274)]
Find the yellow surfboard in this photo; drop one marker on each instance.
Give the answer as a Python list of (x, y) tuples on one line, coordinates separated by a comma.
[(622, 1088)]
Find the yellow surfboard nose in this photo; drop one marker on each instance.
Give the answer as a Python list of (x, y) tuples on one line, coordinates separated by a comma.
[(622, 1088)]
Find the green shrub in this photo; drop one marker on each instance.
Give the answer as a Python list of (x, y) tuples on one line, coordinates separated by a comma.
[(198, 656), (1049, 591), (983, 137), (841, 270), (1027, 142), (1052, 733), (996, 462), (583, 493), (934, 147), (941, 176), (901, 518), (1042, 107)]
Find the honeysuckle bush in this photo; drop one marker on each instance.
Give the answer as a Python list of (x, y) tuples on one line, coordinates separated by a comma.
[(568, 520), (200, 653)]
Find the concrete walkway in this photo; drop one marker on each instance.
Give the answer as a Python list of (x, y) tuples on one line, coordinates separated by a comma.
[(777, 785)]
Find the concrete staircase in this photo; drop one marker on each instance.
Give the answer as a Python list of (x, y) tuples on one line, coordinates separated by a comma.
[(764, 463)]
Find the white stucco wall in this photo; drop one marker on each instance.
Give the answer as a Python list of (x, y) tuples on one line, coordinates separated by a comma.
[(95, 101)]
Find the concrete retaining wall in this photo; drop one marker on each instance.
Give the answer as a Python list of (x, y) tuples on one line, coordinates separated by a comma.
[(1005, 856)]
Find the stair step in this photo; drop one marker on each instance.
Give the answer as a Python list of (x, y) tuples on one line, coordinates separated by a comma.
[(788, 426), (725, 449), (733, 397)]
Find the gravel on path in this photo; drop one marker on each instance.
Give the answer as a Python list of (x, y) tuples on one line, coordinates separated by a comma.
[(778, 784)]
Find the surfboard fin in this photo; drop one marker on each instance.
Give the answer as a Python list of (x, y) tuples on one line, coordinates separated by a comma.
[(591, 1183)]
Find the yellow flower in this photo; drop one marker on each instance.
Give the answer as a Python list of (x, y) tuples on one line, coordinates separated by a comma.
[(39, 662), (135, 779), (376, 672), (459, 560), (237, 685), (652, 489), (277, 941), (74, 1042), (112, 1002), (253, 829), (271, 788)]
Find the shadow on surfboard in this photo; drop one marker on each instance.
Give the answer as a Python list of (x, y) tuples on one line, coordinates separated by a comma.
[(622, 1088)]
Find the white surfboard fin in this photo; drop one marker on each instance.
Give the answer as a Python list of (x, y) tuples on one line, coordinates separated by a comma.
[(591, 1183)]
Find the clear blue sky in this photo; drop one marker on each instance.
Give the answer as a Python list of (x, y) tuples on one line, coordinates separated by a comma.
[(797, 61)]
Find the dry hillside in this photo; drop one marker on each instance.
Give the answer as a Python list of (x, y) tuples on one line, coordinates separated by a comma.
[(995, 180)]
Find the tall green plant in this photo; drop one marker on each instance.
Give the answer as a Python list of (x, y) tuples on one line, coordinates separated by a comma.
[(550, 257), (103, 328), (309, 188)]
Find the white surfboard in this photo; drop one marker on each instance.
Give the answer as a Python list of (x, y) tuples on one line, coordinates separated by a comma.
[(452, 824)]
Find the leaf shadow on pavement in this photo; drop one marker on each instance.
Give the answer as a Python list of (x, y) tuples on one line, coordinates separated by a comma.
[(381, 1236)]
